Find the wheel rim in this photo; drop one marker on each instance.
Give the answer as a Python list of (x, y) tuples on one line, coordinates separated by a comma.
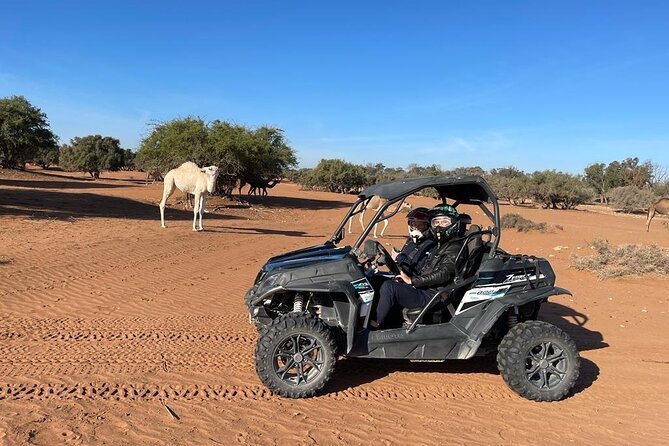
[(546, 365), (298, 359)]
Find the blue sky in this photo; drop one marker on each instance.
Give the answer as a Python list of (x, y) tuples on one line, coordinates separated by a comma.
[(529, 84)]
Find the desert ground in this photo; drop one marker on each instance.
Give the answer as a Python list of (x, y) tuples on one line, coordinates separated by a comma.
[(107, 321)]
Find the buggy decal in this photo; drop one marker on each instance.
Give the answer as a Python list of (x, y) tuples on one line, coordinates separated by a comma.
[(513, 278), (476, 296), (366, 292)]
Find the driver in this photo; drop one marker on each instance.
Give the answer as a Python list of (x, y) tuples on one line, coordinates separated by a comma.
[(416, 249), (439, 270)]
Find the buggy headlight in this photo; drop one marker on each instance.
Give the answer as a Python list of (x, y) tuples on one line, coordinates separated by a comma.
[(268, 283)]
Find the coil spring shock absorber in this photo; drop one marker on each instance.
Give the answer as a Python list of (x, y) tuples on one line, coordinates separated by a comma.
[(512, 318), (298, 303)]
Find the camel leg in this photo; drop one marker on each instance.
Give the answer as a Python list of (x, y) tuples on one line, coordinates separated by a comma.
[(375, 225), (203, 199), (196, 209), (350, 220), (362, 219), (168, 188), (385, 225), (651, 214)]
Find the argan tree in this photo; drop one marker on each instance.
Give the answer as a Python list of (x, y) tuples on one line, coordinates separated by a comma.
[(92, 154), (24, 132)]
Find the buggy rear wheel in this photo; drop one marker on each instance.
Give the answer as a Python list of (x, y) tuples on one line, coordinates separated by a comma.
[(538, 361), (296, 355)]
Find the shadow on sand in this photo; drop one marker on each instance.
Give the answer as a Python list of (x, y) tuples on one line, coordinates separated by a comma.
[(55, 205), (313, 204), (353, 372), (58, 184)]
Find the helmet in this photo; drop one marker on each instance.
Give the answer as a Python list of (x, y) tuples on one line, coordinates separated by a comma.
[(419, 223), (444, 222)]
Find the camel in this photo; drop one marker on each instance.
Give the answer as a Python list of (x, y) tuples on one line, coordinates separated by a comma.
[(189, 178), (375, 204), (153, 175), (661, 206), (260, 186)]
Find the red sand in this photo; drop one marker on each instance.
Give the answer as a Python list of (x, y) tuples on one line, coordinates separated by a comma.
[(106, 318)]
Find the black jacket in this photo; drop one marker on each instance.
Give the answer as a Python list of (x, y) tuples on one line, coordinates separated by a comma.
[(439, 270), (413, 257)]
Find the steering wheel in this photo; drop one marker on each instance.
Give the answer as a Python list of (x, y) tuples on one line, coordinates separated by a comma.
[(392, 265)]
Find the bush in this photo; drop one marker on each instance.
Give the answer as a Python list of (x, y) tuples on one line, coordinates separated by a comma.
[(559, 190), (522, 224), (92, 154), (624, 260), (631, 198)]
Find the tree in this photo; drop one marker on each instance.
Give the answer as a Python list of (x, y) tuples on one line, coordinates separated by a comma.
[(510, 184), (635, 174), (595, 177), (92, 154), (631, 198), (613, 175), (337, 175), (172, 143), (46, 156), (24, 130), (559, 190), (242, 154)]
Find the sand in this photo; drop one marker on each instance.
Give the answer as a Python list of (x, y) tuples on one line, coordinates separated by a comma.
[(107, 321)]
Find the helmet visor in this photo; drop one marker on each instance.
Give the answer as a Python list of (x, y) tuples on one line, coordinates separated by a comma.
[(421, 225), (443, 221)]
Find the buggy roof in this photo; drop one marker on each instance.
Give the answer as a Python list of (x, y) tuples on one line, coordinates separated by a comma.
[(466, 189)]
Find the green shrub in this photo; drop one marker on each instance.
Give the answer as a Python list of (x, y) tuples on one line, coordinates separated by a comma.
[(623, 260), (631, 198), (522, 224)]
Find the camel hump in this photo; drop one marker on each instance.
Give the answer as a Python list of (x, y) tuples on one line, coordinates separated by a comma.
[(188, 165), (661, 206)]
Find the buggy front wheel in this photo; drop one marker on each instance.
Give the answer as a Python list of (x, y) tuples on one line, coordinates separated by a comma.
[(296, 355)]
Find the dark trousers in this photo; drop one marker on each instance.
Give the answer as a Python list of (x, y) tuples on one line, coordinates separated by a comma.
[(393, 293)]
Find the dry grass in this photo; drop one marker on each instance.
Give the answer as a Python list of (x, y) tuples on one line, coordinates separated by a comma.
[(522, 224), (623, 260)]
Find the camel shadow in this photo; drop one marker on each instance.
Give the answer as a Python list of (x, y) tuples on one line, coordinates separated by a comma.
[(55, 205)]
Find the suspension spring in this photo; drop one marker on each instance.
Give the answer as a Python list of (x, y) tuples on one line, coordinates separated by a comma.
[(298, 303), (512, 318)]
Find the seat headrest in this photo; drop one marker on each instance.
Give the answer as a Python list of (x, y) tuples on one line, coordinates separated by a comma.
[(476, 240)]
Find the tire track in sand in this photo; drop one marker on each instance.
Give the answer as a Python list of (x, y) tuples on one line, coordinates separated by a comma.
[(197, 392)]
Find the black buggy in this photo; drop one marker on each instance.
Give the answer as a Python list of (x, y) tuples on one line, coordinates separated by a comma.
[(314, 304)]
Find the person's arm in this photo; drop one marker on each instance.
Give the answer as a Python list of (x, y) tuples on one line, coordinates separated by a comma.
[(402, 259)]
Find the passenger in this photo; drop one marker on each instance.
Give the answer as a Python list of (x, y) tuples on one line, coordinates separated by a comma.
[(413, 255), (439, 270)]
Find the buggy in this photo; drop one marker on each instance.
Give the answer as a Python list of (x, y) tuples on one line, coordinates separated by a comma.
[(313, 305)]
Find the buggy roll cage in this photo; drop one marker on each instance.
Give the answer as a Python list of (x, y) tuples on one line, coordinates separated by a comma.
[(470, 190)]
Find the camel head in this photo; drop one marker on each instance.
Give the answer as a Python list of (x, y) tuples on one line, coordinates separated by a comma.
[(212, 173)]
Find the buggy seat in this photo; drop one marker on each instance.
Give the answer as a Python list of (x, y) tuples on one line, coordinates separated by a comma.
[(467, 264)]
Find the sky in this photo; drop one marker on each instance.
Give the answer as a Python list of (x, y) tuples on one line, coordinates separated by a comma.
[(535, 85)]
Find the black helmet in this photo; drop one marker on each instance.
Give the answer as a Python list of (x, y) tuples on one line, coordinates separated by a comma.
[(418, 221), (444, 222)]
